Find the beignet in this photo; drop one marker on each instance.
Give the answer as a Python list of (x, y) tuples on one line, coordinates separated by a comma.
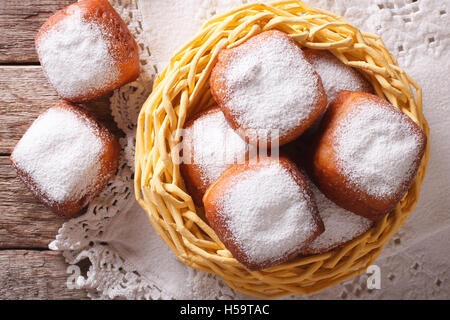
[(336, 75), (267, 90), (66, 158), (209, 147), (341, 226), (366, 154), (263, 211), (86, 51)]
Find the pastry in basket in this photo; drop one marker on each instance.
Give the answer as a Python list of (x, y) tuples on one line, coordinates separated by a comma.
[(340, 225), (86, 51), (335, 75), (209, 147), (268, 91), (263, 211), (66, 158), (366, 154), (234, 30)]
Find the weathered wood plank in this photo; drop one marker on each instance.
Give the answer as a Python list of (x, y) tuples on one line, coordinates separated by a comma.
[(24, 94), (28, 274), (24, 222), (20, 21)]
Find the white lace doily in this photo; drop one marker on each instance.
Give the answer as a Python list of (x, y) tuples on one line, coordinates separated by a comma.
[(414, 30)]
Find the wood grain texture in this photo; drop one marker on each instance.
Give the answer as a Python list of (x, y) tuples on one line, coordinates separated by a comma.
[(28, 274), (24, 222), (26, 93), (28, 270), (20, 21)]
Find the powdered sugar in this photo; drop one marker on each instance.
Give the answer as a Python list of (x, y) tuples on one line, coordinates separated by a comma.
[(340, 225), (75, 56), (376, 149), (268, 214), (216, 146), (271, 86), (60, 153), (335, 75)]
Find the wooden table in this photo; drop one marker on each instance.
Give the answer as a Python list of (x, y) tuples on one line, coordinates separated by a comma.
[(28, 269)]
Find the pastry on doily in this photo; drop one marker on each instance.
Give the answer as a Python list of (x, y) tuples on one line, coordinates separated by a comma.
[(266, 88), (263, 211), (209, 147), (66, 158), (366, 154), (86, 51)]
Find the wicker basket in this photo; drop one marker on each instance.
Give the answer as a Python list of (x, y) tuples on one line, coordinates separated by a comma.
[(183, 89)]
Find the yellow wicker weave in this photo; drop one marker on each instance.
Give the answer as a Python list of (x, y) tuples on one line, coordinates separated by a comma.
[(183, 89)]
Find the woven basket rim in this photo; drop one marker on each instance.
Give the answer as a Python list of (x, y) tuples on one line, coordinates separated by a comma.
[(182, 89)]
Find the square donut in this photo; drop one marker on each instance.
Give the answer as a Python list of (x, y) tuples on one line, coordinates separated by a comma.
[(86, 51), (66, 158), (210, 146), (366, 154), (341, 225), (267, 89), (263, 211), (336, 75)]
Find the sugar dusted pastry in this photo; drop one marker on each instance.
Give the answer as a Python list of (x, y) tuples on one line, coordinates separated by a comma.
[(366, 154), (335, 75), (66, 158), (267, 89), (86, 51), (340, 225), (263, 212), (209, 147)]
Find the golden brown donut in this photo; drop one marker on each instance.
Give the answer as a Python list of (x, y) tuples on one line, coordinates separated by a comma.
[(93, 28), (263, 211), (66, 158), (341, 225), (266, 88), (209, 147), (366, 154)]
